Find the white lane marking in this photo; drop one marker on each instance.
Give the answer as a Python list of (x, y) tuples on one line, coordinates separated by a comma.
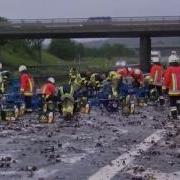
[(109, 171), (9, 173), (158, 175), (47, 171), (72, 160)]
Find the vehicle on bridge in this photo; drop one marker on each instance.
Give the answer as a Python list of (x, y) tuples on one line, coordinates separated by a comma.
[(97, 20)]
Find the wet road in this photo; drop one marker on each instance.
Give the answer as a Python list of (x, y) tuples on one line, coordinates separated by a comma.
[(99, 146)]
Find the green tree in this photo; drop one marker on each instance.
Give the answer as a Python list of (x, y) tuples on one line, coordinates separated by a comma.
[(34, 46), (63, 48), (2, 41), (79, 50)]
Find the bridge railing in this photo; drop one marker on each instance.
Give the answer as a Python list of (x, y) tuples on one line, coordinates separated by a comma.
[(86, 21)]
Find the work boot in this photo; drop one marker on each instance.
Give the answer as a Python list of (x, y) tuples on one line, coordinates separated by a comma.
[(161, 100), (50, 117), (178, 107), (173, 112)]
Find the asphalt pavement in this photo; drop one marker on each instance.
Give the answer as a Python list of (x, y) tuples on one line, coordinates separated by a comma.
[(98, 146)]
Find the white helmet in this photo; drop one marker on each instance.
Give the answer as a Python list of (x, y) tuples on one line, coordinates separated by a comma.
[(173, 59), (129, 69), (155, 59), (121, 63), (137, 71), (173, 52), (51, 79), (22, 68)]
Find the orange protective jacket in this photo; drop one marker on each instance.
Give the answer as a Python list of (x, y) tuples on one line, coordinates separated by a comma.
[(48, 89), (172, 80), (139, 77), (27, 84), (124, 72), (156, 74)]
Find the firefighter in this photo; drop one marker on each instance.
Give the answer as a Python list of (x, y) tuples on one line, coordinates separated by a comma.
[(48, 90), (73, 74), (95, 81), (4, 77), (26, 87), (114, 78), (103, 79), (110, 92), (81, 96), (67, 105), (75, 79), (173, 55), (121, 67), (127, 74), (138, 77), (125, 71), (156, 75), (172, 84)]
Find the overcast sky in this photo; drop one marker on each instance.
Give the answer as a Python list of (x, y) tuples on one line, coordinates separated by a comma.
[(87, 8)]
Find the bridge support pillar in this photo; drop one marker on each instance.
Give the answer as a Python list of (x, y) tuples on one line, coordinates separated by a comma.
[(145, 53)]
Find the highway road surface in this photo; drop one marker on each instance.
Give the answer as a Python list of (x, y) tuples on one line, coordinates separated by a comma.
[(99, 146)]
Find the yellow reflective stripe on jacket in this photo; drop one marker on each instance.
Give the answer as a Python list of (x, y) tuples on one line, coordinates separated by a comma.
[(61, 91), (114, 91), (174, 82), (28, 93), (30, 85), (44, 89), (2, 87), (174, 91), (155, 77)]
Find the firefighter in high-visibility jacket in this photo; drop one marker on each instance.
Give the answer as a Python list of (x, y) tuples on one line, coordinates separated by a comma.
[(73, 74), (172, 85), (126, 71), (74, 78), (4, 77), (26, 87), (156, 75), (94, 83), (48, 90), (67, 100), (114, 78), (138, 77)]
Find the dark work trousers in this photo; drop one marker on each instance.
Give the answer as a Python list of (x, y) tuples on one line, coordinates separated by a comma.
[(159, 89), (28, 102), (173, 100)]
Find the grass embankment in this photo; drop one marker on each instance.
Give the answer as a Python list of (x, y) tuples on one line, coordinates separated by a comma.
[(15, 59), (53, 66)]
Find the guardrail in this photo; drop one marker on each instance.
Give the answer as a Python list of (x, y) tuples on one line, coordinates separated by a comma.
[(89, 21)]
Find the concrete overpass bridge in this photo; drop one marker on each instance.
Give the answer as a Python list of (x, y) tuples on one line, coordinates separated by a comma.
[(143, 27)]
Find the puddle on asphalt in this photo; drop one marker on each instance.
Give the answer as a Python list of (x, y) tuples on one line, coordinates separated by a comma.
[(44, 172), (9, 173), (74, 159)]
